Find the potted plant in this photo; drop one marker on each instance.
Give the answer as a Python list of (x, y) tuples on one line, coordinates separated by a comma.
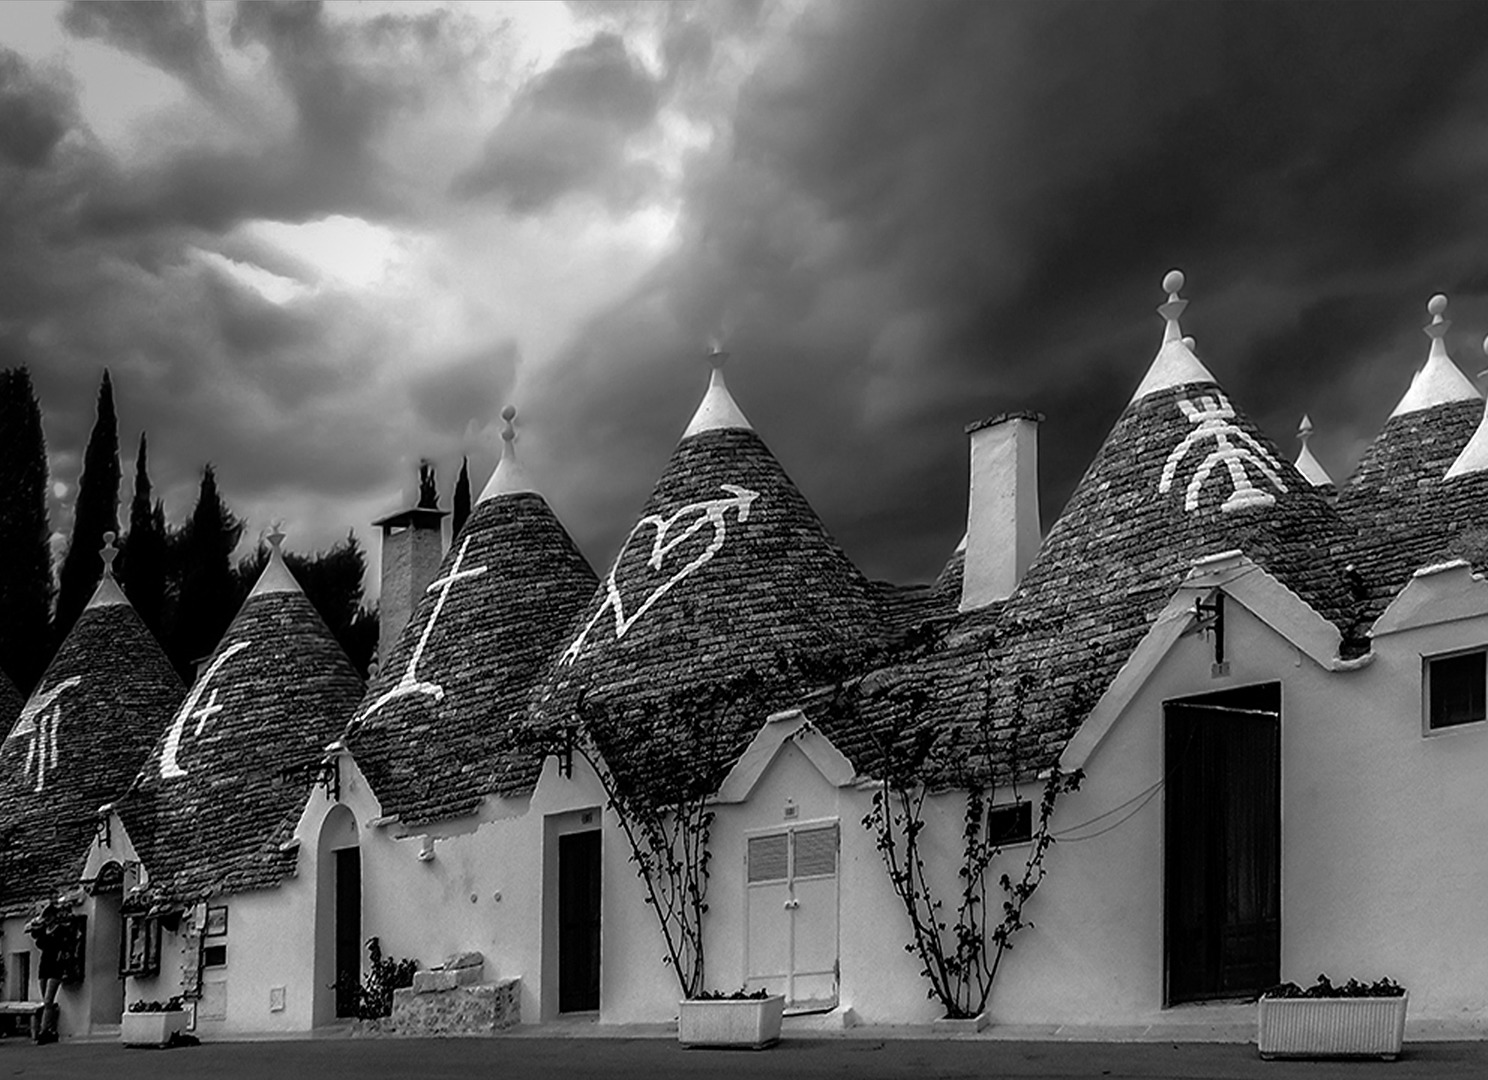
[(739, 1019), (153, 1023), (1324, 1020)]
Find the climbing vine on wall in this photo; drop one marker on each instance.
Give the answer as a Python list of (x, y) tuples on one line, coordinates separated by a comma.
[(660, 762), (960, 947)]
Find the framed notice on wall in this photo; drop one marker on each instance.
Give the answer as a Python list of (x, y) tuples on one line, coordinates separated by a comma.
[(216, 922)]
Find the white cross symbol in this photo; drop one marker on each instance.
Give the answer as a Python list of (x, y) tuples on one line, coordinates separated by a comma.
[(409, 683), (40, 719), (207, 711), (169, 766)]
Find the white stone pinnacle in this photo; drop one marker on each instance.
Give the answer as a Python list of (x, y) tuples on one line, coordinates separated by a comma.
[(1311, 469), (276, 577), (1439, 381), (1474, 456), (1175, 363), (509, 477), (718, 410)]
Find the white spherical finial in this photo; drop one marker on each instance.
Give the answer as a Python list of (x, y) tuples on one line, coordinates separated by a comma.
[(1172, 283), (509, 414), (1485, 345), (1304, 429), (109, 552), (1189, 343), (1437, 306), (276, 537)]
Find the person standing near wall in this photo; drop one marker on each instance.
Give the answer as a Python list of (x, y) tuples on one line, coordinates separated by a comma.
[(52, 931)]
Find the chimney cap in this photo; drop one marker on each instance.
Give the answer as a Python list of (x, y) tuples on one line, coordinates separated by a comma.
[(1004, 417), (414, 515)]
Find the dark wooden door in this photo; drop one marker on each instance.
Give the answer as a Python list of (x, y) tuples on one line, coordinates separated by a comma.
[(578, 921), (1223, 844), (348, 929)]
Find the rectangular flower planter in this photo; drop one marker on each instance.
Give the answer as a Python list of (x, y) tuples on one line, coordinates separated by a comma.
[(151, 1028), (959, 1026), (750, 1024), (1370, 1027)]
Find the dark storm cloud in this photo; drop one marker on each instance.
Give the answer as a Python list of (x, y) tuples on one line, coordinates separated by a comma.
[(467, 391), (568, 130), (167, 34), (34, 115), (109, 262), (933, 212), (345, 83)]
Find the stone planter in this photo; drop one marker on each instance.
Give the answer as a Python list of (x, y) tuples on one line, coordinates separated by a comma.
[(753, 1023), (1370, 1027), (151, 1028)]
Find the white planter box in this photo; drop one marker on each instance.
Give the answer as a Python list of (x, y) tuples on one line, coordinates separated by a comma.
[(753, 1023), (1331, 1027), (151, 1028), (968, 1026)]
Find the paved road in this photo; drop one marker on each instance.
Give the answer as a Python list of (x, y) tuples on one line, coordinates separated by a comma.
[(653, 1059)]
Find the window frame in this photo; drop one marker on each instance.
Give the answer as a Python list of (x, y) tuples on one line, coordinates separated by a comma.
[(1430, 730), (1019, 805), (148, 963)]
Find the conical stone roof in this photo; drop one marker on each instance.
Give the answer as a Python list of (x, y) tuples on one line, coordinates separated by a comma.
[(217, 801), (1183, 474), (432, 734), (11, 702), (727, 574), (1392, 506), (79, 741)]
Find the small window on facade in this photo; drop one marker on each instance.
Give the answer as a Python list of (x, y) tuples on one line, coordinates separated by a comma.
[(18, 976), (1010, 824), (140, 946), (1456, 690), (214, 956)]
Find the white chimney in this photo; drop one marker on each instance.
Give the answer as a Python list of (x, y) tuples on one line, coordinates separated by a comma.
[(1002, 520)]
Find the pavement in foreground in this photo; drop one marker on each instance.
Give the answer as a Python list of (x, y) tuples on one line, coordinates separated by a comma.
[(660, 1059)]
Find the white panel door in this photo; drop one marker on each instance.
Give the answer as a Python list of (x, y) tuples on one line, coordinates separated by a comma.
[(791, 913)]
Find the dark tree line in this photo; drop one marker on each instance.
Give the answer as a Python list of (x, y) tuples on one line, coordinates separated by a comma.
[(182, 581)]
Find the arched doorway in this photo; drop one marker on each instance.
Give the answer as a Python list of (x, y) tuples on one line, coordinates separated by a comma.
[(338, 917)]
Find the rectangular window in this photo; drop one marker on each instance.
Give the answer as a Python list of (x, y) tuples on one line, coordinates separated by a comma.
[(1456, 690), (1010, 824), (140, 946), (214, 956), (18, 977)]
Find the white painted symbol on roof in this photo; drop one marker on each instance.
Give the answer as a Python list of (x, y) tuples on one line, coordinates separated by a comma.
[(1213, 414), (409, 683), (169, 765), (39, 722), (710, 512)]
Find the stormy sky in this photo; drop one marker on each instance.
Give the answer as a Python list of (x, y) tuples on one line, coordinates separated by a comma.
[(315, 243)]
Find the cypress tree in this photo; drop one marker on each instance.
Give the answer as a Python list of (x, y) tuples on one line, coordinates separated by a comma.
[(428, 496), (462, 499), (208, 595), (25, 552), (95, 512), (142, 562)]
